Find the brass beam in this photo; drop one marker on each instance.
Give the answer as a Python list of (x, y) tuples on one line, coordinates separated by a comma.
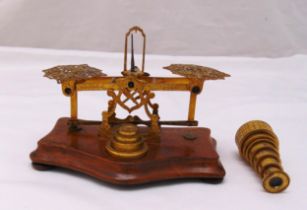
[(153, 83)]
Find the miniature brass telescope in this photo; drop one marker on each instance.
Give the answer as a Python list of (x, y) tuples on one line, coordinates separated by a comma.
[(131, 150), (259, 146)]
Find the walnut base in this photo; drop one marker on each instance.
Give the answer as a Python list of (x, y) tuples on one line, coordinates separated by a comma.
[(180, 153)]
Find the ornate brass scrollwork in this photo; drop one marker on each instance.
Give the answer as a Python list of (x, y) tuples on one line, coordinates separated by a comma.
[(131, 89)]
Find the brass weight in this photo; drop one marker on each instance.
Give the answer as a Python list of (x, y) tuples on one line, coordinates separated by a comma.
[(127, 143), (259, 146)]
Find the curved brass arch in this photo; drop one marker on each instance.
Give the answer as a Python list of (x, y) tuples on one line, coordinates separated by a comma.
[(131, 30)]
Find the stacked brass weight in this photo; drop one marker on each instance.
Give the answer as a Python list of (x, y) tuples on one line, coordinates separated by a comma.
[(127, 143), (259, 146)]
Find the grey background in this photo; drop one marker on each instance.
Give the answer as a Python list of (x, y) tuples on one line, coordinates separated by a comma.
[(268, 28)]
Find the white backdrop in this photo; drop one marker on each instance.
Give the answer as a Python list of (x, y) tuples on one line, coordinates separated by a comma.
[(186, 27), (260, 88)]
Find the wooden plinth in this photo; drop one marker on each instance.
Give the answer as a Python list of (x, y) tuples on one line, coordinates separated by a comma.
[(173, 157)]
